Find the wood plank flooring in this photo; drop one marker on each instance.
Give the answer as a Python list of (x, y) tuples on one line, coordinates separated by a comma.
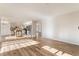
[(23, 48)]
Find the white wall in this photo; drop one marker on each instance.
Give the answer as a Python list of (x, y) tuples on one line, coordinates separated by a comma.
[(0, 29), (63, 28), (47, 28)]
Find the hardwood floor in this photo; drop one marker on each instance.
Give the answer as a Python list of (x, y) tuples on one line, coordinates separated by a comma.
[(35, 47)]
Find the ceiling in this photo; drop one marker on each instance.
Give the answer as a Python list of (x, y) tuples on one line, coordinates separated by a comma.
[(35, 11)]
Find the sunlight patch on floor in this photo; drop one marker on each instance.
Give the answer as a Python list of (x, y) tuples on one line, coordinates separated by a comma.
[(55, 51), (14, 37), (10, 37), (13, 45)]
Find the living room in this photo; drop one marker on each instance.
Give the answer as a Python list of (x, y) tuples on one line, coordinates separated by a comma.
[(46, 29)]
